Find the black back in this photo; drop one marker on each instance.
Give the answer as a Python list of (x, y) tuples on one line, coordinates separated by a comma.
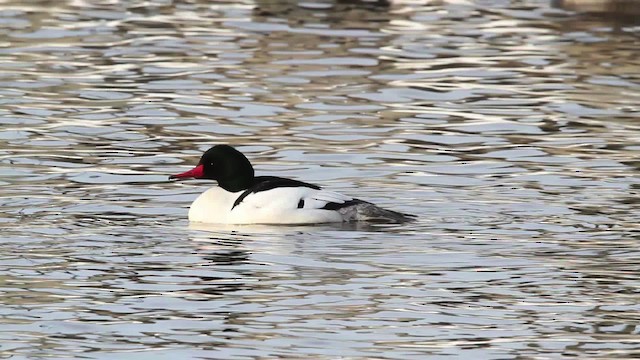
[(264, 183)]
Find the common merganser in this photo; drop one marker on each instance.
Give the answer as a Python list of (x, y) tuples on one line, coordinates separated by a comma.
[(242, 198)]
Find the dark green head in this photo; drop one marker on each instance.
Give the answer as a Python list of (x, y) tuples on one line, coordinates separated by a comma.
[(224, 164)]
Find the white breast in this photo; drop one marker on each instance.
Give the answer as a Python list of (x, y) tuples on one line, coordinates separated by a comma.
[(212, 206)]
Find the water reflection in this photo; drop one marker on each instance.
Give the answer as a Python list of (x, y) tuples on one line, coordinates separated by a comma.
[(509, 129), (614, 9)]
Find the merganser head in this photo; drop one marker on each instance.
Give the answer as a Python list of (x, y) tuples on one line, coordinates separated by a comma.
[(224, 164)]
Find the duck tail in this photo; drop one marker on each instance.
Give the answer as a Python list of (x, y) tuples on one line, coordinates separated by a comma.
[(360, 210)]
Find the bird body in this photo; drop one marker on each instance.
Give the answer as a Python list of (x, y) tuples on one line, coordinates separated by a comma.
[(242, 198)]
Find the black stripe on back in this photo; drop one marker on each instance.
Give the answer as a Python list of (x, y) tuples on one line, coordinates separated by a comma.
[(264, 183), (336, 206)]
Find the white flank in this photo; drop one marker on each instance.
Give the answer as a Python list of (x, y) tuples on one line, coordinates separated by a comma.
[(275, 206)]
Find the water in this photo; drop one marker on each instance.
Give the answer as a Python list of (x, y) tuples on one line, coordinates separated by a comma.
[(509, 127)]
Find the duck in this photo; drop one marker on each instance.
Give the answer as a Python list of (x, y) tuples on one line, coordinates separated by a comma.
[(243, 198)]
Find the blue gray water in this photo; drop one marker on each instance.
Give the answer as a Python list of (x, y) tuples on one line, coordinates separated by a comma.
[(509, 127)]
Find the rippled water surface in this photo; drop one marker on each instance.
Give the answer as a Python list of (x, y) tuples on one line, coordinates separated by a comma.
[(509, 127)]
